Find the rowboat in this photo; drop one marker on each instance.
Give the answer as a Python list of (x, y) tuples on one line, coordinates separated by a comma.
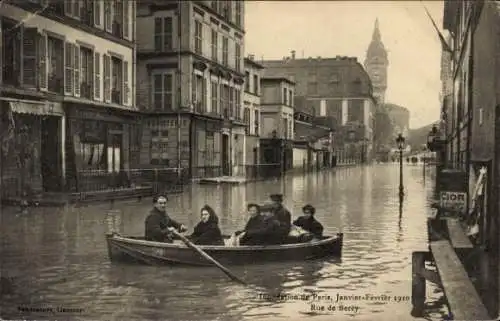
[(138, 250)]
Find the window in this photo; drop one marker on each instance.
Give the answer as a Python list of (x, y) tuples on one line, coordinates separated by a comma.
[(87, 73), (322, 108), (256, 84), (92, 146), (72, 8), (257, 122), (238, 10), (285, 97), (215, 98), (225, 50), (117, 18), (107, 16), (290, 98), (97, 13), (198, 37), (285, 128), (163, 91), (226, 10), (163, 34), (29, 57), (55, 65), (126, 19), (12, 57), (224, 94), (199, 93), (117, 81), (69, 68), (246, 120), (237, 57), (214, 45), (237, 103), (107, 78), (247, 81), (232, 105), (87, 12), (97, 76), (214, 5)]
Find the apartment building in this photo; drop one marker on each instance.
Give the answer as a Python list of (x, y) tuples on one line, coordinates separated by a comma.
[(67, 94), (190, 82), (252, 108)]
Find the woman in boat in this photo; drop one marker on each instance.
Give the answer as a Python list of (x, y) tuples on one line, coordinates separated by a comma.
[(260, 228), (207, 231), (308, 222)]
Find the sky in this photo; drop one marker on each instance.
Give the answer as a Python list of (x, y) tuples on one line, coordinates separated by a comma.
[(331, 28)]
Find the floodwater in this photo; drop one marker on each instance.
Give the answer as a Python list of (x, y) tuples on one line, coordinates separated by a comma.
[(54, 259)]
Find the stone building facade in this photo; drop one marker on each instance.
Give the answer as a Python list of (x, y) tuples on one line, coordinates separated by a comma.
[(67, 95), (190, 82)]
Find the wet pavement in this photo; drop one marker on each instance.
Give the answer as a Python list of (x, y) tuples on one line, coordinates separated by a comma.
[(55, 264)]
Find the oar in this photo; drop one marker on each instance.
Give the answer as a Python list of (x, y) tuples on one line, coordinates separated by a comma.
[(208, 258)]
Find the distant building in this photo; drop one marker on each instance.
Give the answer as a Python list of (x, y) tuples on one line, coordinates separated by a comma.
[(338, 88), (376, 64), (400, 119), (277, 122), (251, 109)]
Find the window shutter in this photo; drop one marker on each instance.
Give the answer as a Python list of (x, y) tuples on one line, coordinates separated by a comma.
[(97, 76), (126, 20), (108, 16), (76, 70), (126, 89), (67, 7), (29, 57), (106, 77), (68, 68), (42, 62), (97, 13)]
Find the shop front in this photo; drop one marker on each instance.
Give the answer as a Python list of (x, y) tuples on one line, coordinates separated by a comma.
[(32, 154), (102, 148)]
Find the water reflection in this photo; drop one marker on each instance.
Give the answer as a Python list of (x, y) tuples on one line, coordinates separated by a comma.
[(58, 257)]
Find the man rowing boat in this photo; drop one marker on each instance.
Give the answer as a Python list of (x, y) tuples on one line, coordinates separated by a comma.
[(159, 225)]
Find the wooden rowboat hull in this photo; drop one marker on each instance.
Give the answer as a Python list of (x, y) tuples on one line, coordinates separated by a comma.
[(136, 250)]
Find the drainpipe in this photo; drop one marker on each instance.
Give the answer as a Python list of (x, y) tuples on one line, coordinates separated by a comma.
[(179, 80)]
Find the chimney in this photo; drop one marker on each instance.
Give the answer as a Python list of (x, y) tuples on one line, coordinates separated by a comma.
[(293, 54), (251, 57)]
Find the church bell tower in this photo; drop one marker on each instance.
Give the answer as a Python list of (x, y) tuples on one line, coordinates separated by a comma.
[(376, 64)]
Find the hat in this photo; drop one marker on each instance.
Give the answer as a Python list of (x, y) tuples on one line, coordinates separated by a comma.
[(276, 197)]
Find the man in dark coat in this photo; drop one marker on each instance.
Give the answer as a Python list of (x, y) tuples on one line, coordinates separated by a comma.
[(158, 224), (260, 229), (283, 216), (308, 222)]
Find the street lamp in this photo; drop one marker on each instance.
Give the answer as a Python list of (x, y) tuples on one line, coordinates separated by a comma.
[(400, 140)]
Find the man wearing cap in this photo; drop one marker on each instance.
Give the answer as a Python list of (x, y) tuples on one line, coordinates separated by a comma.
[(159, 225), (283, 216)]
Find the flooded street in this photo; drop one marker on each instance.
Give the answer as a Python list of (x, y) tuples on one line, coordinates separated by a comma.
[(57, 258)]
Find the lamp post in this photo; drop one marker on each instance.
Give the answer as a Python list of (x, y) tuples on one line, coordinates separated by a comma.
[(400, 140)]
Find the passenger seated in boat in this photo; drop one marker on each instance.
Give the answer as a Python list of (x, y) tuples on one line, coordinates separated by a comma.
[(207, 231), (158, 225), (308, 222), (260, 228), (283, 216)]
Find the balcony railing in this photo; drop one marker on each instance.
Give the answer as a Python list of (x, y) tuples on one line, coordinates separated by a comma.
[(86, 90), (116, 96), (56, 84)]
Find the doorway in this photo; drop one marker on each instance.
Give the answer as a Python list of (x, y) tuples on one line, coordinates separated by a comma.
[(226, 168), (51, 157)]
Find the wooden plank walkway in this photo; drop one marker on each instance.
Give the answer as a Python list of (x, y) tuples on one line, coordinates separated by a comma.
[(463, 299)]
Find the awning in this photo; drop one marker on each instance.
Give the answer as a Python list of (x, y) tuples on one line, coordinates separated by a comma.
[(35, 107)]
